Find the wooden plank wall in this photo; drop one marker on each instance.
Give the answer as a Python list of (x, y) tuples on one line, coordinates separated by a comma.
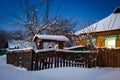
[(100, 39), (108, 58), (118, 41), (20, 59)]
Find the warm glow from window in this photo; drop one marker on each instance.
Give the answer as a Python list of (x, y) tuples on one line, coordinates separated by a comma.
[(110, 42)]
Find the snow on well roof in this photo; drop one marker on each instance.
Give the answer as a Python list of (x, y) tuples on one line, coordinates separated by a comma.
[(112, 22), (51, 37)]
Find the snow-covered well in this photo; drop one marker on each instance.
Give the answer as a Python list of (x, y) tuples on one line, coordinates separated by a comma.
[(59, 40), (51, 37)]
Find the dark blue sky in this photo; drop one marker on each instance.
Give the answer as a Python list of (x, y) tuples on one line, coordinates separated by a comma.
[(85, 10), (82, 10)]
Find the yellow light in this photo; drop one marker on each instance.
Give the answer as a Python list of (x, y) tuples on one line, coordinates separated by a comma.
[(110, 43)]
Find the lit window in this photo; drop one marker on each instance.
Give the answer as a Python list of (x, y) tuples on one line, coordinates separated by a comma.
[(110, 41)]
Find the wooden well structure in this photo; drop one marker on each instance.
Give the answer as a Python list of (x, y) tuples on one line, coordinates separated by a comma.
[(59, 39)]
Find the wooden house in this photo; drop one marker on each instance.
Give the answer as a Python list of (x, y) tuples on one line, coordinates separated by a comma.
[(104, 33)]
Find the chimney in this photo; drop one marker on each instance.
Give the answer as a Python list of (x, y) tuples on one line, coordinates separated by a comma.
[(117, 10)]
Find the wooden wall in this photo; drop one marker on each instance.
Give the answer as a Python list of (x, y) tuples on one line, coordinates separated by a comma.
[(118, 41), (108, 57), (100, 39), (21, 58), (80, 42)]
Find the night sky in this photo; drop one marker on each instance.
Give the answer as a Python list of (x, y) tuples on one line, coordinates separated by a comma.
[(81, 10)]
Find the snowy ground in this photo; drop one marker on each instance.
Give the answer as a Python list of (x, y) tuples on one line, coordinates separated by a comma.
[(9, 72)]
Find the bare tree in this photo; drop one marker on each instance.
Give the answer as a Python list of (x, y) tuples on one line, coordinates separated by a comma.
[(37, 20), (34, 17), (7, 35), (64, 27)]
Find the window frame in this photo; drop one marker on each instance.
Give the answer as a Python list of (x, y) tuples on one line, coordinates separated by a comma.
[(110, 36), (93, 38)]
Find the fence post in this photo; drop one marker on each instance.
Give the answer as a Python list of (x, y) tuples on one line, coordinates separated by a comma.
[(60, 60), (32, 59), (36, 61), (55, 60)]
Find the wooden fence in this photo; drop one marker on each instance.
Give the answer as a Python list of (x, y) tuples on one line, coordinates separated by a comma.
[(54, 59), (20, 58), (60, 58), (108, 57)]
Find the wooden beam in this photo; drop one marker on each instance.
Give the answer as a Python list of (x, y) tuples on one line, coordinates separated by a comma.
[(61, 45)]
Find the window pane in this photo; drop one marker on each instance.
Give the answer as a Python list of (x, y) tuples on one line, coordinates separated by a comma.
[(110, 42), (93, 40)]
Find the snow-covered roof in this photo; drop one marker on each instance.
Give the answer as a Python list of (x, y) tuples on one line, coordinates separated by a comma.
[(112, 22), (20, 44), (51, 37)]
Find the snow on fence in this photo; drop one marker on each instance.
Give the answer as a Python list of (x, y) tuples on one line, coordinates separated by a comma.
[(50, 59), (61, 58), (53, 58)]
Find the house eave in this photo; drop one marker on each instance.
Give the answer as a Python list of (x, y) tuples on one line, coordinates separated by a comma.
[(108, 32)]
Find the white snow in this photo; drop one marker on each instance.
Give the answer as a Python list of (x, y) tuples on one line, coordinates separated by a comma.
[(68, 48), (24, 49), (112, 22), (51, 37), (72, 51), (20, 44), (63, 50), (45, 50), (9, 72)]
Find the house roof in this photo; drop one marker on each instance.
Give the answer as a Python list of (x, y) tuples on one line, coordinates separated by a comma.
[(112, 22), (51, 37)]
